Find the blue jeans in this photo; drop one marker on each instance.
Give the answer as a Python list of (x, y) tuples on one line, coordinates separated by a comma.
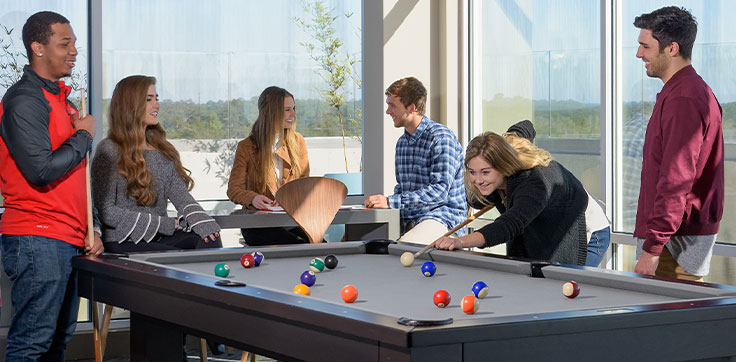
[(44, 296), (597, 246)]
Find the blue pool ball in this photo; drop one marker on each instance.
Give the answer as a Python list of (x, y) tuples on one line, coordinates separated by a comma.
[(480, 289), (428, 268), (308, 278), (258, 257)]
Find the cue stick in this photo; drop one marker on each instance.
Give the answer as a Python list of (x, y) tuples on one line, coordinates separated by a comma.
[(90, 240), (456, 228)]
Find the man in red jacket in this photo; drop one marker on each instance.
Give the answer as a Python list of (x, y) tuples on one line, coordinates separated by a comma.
[(43, 142), (681, 195)]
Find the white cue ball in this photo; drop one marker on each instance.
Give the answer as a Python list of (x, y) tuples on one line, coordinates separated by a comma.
[(407, 259)]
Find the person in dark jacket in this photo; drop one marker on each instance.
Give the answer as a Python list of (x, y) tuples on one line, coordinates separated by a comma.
[(542, 204), (42, 156)]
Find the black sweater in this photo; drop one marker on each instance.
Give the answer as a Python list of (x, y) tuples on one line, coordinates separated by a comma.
[(543, 216)]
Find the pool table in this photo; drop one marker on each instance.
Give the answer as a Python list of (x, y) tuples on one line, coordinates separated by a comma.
[(617, 316)]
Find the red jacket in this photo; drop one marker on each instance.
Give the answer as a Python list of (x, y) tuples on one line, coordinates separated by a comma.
[(682, 168), (42, 162)]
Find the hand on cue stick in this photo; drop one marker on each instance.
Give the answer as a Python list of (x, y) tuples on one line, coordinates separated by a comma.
[(456, 228)]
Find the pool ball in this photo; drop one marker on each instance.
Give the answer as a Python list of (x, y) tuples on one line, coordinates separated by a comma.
[(301, 289), (317, 265), (331, 261), (428, 268), (470, 304), (258, 257), (349, 293), (222, 270), (480, 289), (407, 259), (247, 261), (441, 298), (308, 278), (570, 289)]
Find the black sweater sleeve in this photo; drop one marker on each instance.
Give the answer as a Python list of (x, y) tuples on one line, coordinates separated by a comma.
[(527, 198), (24, 128)]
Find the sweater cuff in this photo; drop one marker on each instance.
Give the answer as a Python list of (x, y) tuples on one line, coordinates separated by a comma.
[(652, 247), (167, 226)]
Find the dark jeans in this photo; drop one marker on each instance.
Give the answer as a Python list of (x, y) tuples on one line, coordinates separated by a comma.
[(274, 236), (44, 296), (177, 241)]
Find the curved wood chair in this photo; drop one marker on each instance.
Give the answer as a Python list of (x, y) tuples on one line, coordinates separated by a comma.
[(313, 203)]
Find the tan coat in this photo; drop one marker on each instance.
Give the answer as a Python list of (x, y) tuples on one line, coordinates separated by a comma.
[(240, 187)]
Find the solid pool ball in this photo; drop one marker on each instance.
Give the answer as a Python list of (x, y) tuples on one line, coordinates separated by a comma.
[(301, 289), (258, 257), (428, 268), (570, 289), (222, 270), (349, 293), (407, 259), (308, 278), (331, 261), (441, 298), (317, 265), (470, 304), (480, 289), (247, 261)]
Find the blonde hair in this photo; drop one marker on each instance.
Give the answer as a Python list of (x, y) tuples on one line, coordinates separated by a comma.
[(507, 154), (268, 125), (129, 132)]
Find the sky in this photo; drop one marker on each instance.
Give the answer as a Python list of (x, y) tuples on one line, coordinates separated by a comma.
[(204, 50), (552, 47)]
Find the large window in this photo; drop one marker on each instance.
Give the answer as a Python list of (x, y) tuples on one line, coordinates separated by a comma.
[(713, 56), (212, 59), (540, 60)]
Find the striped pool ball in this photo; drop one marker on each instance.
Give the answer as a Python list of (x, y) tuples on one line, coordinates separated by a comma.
[(258, 257), (317, 265)]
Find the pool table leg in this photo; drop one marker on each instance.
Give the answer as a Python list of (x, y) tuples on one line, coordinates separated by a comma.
[(154, 340)]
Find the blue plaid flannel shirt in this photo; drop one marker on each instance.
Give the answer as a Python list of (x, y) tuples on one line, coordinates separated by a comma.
[(429, 176)]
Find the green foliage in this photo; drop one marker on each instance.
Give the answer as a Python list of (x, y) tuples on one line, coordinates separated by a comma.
[(11, 60), (336, 68), (573, 119)]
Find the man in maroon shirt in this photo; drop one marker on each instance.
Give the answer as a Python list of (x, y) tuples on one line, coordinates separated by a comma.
[(681, 195)]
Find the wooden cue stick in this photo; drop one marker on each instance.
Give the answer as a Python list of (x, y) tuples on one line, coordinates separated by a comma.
[(90, 240), (456, 228)]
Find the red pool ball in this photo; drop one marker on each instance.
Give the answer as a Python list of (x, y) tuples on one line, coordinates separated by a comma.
[(570, 289), (247, 261), (441, 298), (470, 304), (349, 293)]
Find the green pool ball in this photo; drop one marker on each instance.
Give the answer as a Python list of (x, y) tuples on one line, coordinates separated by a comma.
[(317, 265), (222, 270)]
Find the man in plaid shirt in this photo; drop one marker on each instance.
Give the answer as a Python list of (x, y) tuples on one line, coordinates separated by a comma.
[(429, 168)]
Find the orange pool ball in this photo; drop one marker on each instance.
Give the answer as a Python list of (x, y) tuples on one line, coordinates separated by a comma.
[(470, 304), (349, 293), (301, 289)]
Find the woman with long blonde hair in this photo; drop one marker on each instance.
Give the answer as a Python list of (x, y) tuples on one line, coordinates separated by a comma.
[(542, 204), (271, 156), (136, 171)]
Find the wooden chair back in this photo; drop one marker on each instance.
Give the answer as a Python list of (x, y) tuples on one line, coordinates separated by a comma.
[(313, 203)]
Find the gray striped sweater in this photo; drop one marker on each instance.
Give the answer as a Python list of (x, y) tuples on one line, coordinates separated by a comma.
[(123, 220)]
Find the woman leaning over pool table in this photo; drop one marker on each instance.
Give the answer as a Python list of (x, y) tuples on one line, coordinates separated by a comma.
[(542, 204)]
